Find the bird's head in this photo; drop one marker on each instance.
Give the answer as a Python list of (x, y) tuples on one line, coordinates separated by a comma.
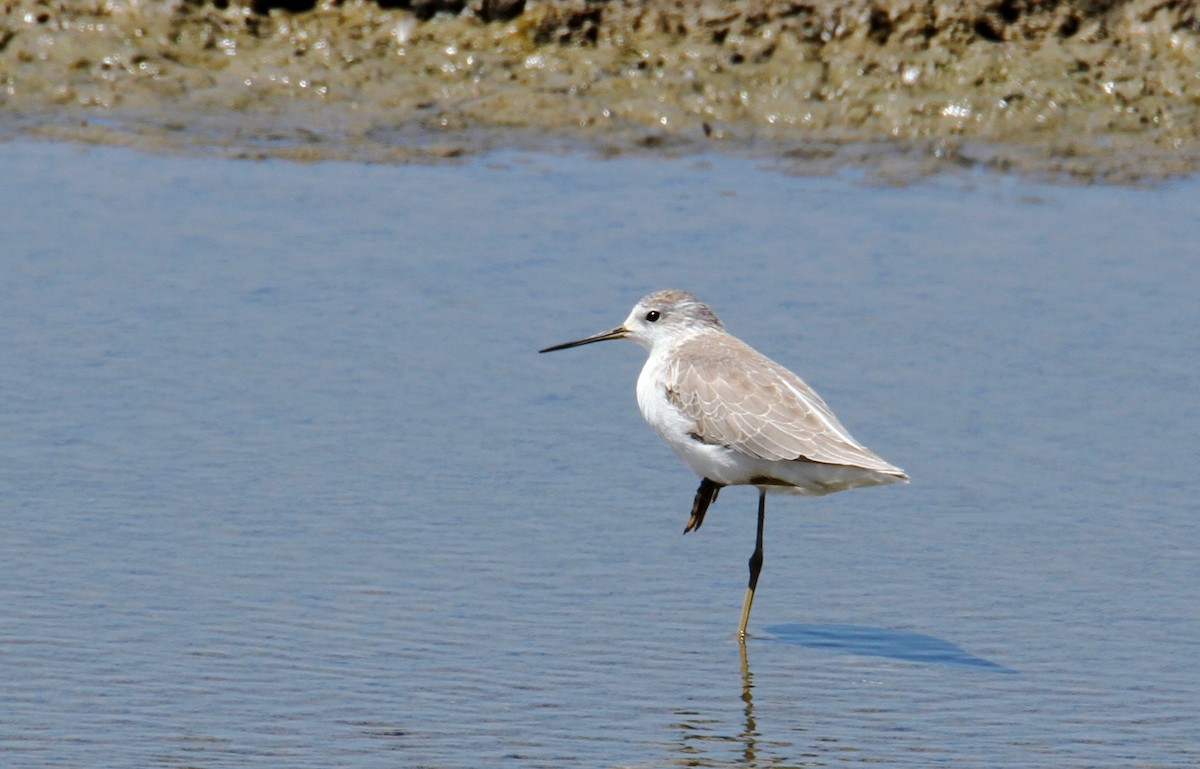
[(664, 317)]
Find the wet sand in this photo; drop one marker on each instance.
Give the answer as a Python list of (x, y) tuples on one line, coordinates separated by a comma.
[(1090, 90)]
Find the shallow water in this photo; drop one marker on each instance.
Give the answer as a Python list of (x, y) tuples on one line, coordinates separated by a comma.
[(283, 481)]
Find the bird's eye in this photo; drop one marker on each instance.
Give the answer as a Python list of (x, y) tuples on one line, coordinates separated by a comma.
[(653, 315)]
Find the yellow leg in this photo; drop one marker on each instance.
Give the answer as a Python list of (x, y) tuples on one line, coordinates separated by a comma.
[(756, 562)]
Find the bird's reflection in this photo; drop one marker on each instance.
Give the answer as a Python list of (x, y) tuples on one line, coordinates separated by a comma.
[(699, 743), (702, 740), (750, 732)]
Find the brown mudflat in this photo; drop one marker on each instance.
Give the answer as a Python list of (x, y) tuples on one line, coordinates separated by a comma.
[(1095, 89)]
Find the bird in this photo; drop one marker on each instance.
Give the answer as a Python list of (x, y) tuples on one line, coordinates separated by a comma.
[(736, 417)]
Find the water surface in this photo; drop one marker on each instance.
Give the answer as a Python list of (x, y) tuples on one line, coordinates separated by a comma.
[(283, 481)]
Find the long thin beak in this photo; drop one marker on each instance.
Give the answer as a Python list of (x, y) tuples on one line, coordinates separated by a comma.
[(620, 332)]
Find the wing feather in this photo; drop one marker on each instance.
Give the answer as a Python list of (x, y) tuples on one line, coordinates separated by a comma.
[(738, 397)]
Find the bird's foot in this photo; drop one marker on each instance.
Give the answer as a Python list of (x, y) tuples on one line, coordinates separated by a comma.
[(705, 496)]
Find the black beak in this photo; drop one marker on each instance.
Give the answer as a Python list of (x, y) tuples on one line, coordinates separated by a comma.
[(617, 333)]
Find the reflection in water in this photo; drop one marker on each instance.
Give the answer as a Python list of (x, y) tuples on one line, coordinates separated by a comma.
[(703, 748), (749, 733)]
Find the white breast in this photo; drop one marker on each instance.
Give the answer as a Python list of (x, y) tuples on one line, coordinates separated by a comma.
[(717, 463)]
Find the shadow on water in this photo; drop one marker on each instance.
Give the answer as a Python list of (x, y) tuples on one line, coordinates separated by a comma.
[(881, 642)]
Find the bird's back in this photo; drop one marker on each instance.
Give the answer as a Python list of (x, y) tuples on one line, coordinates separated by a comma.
[(741, 399)]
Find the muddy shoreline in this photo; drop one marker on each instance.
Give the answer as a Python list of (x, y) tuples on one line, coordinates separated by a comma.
[(1098, 90)]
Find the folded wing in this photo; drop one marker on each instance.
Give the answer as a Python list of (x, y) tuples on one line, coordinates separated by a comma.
[(742, 399)]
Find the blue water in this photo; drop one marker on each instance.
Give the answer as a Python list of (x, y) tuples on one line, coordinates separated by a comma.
[(283, 481)]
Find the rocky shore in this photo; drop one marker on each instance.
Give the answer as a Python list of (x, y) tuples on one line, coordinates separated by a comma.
[(1090, 89)]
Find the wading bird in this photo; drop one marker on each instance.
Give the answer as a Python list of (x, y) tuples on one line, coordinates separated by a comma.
[(736, 417)]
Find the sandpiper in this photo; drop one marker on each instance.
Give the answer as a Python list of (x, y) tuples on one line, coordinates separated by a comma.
[(736, 417)]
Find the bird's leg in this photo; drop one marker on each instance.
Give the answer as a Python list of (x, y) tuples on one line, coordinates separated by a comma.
[(705, 496), (756, 562)]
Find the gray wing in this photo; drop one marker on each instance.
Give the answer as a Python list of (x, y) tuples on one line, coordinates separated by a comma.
[(742, 399)]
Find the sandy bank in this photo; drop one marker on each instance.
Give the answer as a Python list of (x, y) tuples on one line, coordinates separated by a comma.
[(1098, 89)]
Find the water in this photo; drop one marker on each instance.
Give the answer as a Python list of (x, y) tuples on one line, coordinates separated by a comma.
[(283, 481)]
